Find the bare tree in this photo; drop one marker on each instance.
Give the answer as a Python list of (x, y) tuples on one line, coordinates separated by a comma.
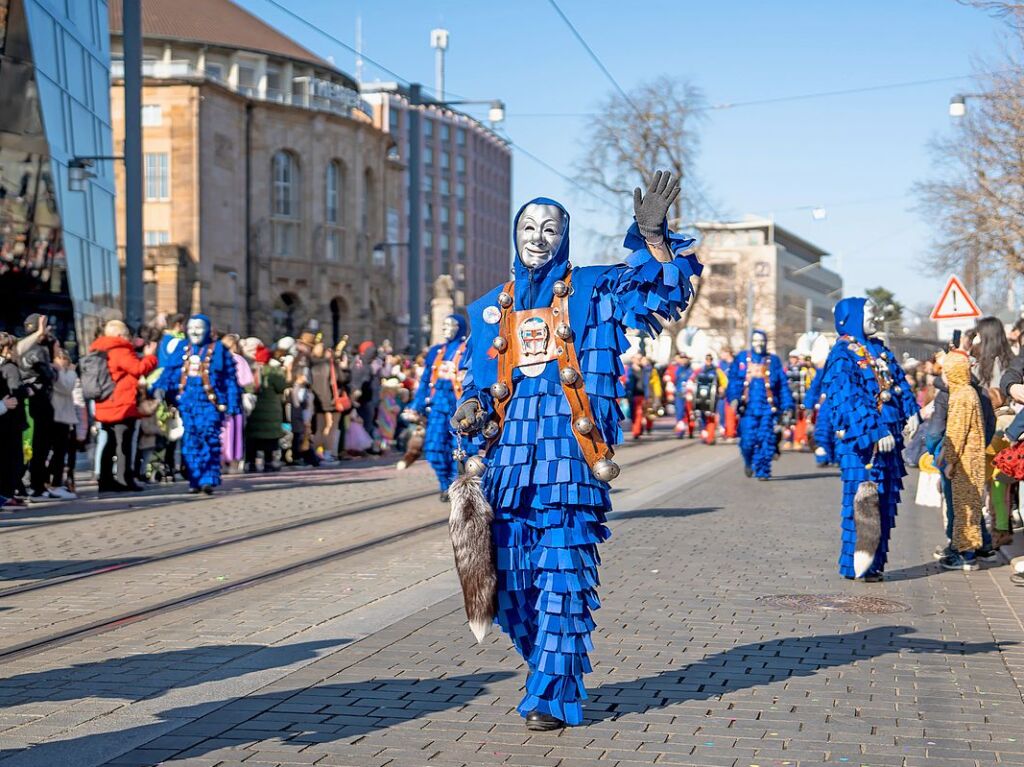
[(976, 198), (655, 128), (1013, 13)]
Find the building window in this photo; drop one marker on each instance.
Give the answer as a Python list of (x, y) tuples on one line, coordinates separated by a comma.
[(428, 211), (460, 164), (157, 238), (246, 79), (444, 215), (446, 160), (274, 91), (392, 120), (214, 71), (445, 187), (460, 246), (460, 218), (367, 206), (460, 136), (152, 115), (446, 132), (158, 183), (332, 245), (428, 127), (460, 191), (333, 195), (428, 183), (285, 204), (428, 239), (444, 242), (428, 157)]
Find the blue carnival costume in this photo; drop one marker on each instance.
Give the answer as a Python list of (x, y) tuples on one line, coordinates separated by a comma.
[(758, 383), (200, 380), (549, 507), (824, 432), (436, 396), (869, 400)]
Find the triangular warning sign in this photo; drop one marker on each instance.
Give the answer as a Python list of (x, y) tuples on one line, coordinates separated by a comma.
[(955, 303)]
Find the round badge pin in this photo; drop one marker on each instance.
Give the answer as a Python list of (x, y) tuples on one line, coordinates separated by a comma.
[(492, 314)]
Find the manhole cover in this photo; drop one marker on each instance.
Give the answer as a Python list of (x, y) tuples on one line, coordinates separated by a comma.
[(836, 602)]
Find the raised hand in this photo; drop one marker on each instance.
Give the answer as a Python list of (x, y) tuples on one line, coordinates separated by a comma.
[(651, 208)]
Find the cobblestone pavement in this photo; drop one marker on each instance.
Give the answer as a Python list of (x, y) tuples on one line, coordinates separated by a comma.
[(368, 662)]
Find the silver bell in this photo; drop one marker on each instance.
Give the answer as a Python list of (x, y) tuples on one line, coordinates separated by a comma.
[(584, 425), (491, 430), (569, 376), (560, 288), (499, 343), (475, 466), (563, 331), (606, 470), (897, 389), (885, 396), (499, 390), (504, 300)]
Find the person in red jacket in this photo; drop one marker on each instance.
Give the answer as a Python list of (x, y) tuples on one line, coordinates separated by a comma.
[(118, 413)]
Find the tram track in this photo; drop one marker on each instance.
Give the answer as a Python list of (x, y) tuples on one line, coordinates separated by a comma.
[(112, 622)]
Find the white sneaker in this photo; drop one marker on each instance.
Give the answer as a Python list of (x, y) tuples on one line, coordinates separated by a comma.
[(63, 493)]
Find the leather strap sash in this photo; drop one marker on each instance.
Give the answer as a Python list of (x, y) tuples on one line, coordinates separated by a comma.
[(590, 440)]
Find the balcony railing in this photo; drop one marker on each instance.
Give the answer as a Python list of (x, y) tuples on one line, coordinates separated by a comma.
[(341, 100)]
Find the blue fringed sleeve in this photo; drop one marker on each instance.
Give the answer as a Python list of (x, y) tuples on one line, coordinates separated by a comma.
[(419, 402), (781, 385), (644, 288), (734, 388), (470, 390)]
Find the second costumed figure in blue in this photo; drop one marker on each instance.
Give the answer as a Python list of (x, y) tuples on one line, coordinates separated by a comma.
[(760, 394), (439, 391), (200, 380), (871, 406), (541, 387)]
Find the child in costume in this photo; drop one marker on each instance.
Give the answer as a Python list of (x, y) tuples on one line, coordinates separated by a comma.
[(759, 392), (436, 396), (202, 382), (542, 387), (871, 405)]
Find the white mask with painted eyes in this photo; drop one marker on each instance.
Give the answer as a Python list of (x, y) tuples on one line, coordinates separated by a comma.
[(539, 232), (196, 331)]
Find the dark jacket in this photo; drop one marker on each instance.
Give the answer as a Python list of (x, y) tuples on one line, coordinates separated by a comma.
[(264, 422), (11, 386), (37, 371), (936, 427), (1014, 374), (321, 383), (126, 368)]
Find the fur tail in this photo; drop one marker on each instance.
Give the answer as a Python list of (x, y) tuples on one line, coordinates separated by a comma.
[(470, 528), (867, 519)]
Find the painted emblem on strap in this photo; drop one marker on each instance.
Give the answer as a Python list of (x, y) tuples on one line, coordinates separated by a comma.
[(536, 345)]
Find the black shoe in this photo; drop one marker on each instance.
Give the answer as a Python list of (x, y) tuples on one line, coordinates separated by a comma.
[(444, 497), (539, 722), (748, 471), (207, 489), (873, 578), (193, 491), (987, 555), (135, 487), (763, 479), (269, 468)]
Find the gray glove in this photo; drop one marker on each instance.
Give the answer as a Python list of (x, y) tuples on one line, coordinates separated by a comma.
[(651, 209), (469, 418)]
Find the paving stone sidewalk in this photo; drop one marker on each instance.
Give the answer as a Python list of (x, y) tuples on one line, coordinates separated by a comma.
[(693, 665)]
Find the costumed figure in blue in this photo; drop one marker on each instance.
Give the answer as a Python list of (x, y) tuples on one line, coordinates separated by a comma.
[(824, 433), (200, 380), (436, 397), (759, 392), (871, 406), (542, 388)]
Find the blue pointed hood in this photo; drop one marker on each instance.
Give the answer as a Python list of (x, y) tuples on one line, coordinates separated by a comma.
[(850, 318), (209, 325), (534, 290)]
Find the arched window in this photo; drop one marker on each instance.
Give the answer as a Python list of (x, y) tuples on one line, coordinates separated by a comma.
[(333, 195), (284, 211), (366, 217), (333, 211)]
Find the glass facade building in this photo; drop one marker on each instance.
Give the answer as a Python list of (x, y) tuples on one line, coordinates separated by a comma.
[(58, 249)]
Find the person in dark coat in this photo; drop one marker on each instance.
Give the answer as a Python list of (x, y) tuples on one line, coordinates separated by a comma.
[(263, 427), (12, 422)]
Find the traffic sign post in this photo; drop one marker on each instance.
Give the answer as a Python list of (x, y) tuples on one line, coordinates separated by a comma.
[(955, 310)]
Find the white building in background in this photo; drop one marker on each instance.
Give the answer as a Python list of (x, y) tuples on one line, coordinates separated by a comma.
[(759, 274)]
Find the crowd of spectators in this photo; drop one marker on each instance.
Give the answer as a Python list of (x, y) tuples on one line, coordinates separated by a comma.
[(305, 403)]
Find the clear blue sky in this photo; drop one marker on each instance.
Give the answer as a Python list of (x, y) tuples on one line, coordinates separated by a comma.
[(857, 155)]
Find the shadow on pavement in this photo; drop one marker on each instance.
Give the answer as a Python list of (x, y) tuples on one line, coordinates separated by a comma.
[(43, 569), (134, 677), (345, 711), (662, 513), (750, 665), (823, 474)]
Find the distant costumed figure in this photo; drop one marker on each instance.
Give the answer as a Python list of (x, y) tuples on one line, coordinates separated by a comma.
[(436, 396), (870, 407), (824, 435), (200, 380), (542, 389), (759, 392)]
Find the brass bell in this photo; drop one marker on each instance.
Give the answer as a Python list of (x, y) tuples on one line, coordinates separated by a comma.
[(606, 470), (475, 466), (885, 396), (569, 376), (504, 300), (499, 390), (897, 389), (491, 430), (211, 397), (563, 331), (499, 343), (560, 288), (222, 408), (584, 425)]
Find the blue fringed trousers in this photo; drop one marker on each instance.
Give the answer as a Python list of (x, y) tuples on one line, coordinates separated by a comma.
[(438, 442), (757, 442)]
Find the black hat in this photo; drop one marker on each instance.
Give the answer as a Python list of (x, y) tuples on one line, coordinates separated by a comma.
[(32, 322)]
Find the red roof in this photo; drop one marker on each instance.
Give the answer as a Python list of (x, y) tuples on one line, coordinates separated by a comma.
[(213, 22)]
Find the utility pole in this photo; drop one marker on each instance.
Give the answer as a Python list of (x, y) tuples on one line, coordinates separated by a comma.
[(133, 303), (415, 219)]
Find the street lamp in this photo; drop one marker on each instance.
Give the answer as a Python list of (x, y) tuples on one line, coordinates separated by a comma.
[(958, 104)]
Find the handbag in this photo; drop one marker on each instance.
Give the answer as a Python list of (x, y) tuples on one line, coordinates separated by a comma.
[(929, 492), (342, 402)]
